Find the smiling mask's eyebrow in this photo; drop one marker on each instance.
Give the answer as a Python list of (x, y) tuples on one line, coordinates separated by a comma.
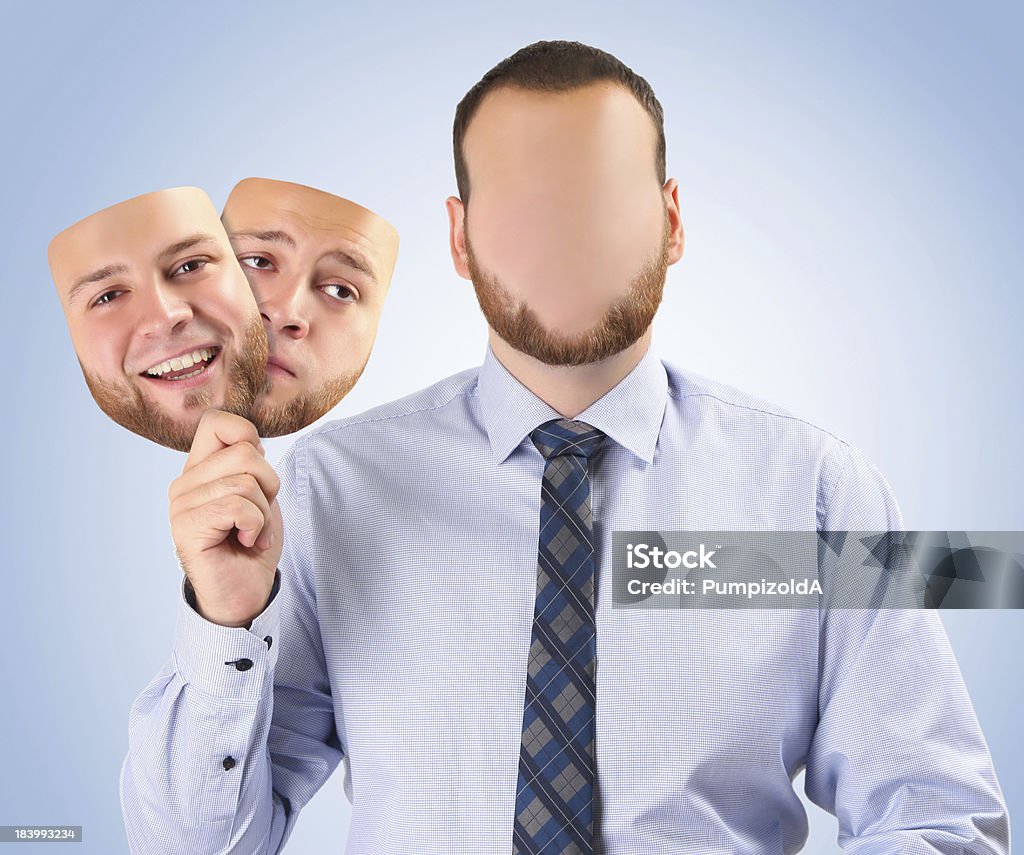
[(186, 243), (92, 278)]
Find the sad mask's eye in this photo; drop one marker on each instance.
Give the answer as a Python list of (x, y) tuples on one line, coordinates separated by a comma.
[(256, 262), (340, 292)]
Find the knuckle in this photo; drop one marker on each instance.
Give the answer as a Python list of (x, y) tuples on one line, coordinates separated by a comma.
[(249, 486), (250, 482), (242, 455), (248, 510), (250, 452), (250, 514), (241, 482), (242, 427), (251, 434)]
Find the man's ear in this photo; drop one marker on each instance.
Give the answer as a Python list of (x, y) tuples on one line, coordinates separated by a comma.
[(676, 237), (457, 235)]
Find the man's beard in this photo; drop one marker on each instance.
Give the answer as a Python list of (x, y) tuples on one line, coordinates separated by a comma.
[(622, 325), (127, 406), (303, 409)]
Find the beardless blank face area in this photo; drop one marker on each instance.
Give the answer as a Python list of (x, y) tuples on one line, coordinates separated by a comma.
[(320, 267), (161, 317), (571, 232)]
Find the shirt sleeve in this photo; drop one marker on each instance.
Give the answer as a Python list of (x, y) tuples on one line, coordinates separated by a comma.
[(898, 755), (236, 733)]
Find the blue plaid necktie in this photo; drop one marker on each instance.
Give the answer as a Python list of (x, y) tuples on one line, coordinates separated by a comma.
[(555, 792)]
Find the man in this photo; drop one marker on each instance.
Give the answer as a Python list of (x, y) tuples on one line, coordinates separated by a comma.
[(162, 319), (320, 267), (439, 616)]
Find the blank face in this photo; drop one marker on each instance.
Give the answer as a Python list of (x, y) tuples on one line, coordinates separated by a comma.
[(161, 316), (565, 205), (319, 267)]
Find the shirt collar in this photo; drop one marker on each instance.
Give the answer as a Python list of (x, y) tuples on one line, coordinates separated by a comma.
[(630, 413)]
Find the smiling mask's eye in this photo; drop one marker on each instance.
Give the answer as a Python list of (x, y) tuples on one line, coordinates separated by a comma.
[(256, 262), (106, 298), (190, 266)]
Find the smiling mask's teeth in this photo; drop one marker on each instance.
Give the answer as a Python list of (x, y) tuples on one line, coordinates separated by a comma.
[(185, 361)]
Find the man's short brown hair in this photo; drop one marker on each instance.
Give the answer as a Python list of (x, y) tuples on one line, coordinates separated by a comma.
[(554, 66)]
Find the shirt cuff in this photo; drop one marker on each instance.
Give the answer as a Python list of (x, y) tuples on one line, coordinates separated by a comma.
[(227, 661)]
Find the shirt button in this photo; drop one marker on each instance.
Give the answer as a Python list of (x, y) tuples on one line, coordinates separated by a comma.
[(229, 763), (243, 664), (269, 641)]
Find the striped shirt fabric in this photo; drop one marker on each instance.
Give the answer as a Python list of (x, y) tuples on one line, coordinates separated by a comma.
[(397, 638)]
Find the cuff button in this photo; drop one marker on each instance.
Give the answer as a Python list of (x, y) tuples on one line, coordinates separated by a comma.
[(229, 763), (241, 664)]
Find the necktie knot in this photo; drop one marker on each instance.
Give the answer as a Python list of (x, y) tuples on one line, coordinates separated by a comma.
[(560, 437)]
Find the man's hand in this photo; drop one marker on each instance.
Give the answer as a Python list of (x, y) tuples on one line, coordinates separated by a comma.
[(225, 520)]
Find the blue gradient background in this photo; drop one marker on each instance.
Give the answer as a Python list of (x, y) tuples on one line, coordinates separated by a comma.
[(850, 184)]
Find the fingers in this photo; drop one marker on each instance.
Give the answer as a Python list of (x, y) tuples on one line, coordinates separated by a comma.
[(239, 459), (218, 429), (210, 524), (240, 484), (226, 484), (274, 524)]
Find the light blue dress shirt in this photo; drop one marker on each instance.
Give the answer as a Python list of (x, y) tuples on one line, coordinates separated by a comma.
[(397, 638)]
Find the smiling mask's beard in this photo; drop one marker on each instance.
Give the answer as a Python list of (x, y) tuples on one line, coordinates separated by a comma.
[(305, 408), (623, 324), (125, 403)]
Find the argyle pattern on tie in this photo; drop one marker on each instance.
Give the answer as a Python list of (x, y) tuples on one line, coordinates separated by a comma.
[(555, 791)]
